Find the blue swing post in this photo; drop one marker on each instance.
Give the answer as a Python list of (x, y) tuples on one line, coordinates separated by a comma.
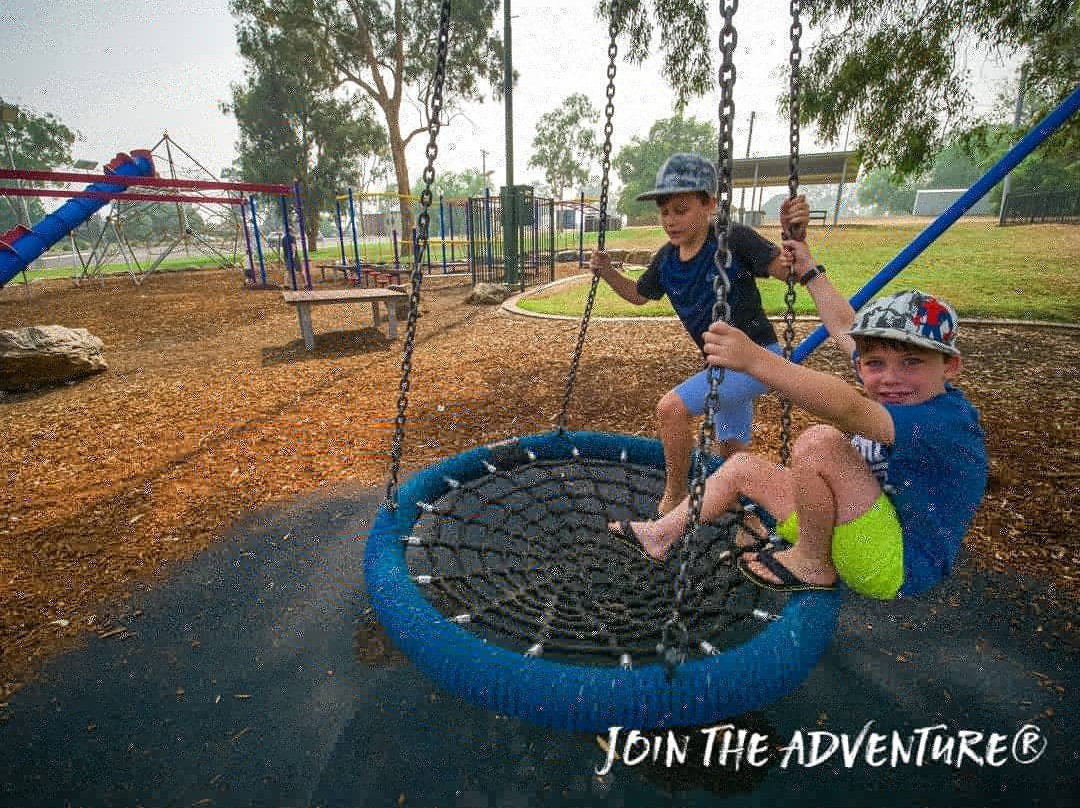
[(287, 248), (355, 240), (450, 216), (247, 239), (488, 225), (303, 235), (1025, 146), (340, 230), (442, 234), (258, 240), (581, 232), (470, 234)]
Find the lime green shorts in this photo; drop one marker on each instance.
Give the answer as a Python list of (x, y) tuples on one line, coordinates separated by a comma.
[(868, 551)]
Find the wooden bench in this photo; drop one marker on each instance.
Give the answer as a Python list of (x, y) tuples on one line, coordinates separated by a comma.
[(819, 216), (304, 300)]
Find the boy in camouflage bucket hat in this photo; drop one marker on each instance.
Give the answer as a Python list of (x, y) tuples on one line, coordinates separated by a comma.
[(683, 269), (882, 495)]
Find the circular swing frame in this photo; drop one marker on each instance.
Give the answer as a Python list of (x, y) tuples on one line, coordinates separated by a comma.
[(579, 697)]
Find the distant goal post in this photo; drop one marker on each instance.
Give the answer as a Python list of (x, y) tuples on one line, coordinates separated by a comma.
[(933, 201)]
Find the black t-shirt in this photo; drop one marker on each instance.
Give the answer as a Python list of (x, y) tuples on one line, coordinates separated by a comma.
[(689, 284)]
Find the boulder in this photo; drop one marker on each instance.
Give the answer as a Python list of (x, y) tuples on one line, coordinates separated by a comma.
[(626, 257), (47, 354), (490, 293)]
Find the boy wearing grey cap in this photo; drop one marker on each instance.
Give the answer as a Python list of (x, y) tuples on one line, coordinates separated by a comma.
[(683, 269), (886, 509)]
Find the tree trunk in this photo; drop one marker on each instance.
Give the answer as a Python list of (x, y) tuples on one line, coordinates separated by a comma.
[(401, 172), (312, 224)]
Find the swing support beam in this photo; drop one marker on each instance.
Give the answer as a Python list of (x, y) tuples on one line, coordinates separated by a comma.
[(1035, 137)]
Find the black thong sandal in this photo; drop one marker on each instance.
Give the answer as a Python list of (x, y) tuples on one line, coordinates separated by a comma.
[(788, 581)]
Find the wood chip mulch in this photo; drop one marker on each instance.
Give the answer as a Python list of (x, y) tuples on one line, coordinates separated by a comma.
[(212, 408)]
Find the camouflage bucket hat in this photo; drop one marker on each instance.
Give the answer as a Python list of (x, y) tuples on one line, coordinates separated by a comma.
[(913, 317), (682, 173)]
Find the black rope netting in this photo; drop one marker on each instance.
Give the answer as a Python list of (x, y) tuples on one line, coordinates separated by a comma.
[(523, 557)]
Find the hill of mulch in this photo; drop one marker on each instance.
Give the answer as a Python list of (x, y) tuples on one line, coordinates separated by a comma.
[(212, 408)]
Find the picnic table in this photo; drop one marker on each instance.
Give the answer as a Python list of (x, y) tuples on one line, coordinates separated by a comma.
[(304, 299)]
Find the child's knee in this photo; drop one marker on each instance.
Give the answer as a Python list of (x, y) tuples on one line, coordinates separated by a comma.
[(741, 464), (820, 442), (671, 408)]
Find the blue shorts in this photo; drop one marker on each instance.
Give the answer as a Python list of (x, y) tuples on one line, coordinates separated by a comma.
[(735, 406)]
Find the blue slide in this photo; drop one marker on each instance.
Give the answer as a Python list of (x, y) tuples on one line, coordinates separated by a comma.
[(21, 246)]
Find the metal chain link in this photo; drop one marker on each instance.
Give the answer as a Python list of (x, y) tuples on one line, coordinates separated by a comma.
[(605, 170), (420, 248), (675, 636), (800, 234)]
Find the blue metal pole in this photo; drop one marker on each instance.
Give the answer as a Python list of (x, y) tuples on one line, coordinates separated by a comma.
[(453, 253), (340, 230), (258, 241), (287, 243), (470, 230), (1027, 144), (442, 232), (355, 241), (536, 234), (247, 239), (581, 233), (303, 235), (489, 226)]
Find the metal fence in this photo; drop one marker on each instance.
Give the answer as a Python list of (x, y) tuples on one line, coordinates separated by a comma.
[(536, 241), (1035, 208)]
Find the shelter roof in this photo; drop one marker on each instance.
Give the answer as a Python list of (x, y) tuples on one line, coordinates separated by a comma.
[(814, 169)]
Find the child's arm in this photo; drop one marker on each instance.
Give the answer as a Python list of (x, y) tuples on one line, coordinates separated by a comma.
[(836, 313), (624, 287), (794, 216), (821, 394)]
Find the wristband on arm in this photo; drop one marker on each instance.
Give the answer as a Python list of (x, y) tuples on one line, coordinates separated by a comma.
[(811, 273)]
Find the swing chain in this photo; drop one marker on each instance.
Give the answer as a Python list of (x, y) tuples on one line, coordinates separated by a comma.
[(420, 247), (675, 637), (605, 170), (793, 190), (793, 101)]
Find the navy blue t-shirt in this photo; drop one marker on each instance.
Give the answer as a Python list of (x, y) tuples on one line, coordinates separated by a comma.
[(934, 473), (689, 284)]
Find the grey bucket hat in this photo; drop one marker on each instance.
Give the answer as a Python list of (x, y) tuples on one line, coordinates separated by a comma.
[(913, 317), (683, 172)]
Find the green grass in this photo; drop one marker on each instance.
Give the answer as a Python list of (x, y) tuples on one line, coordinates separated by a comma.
[(1026, 272), (169, 265)]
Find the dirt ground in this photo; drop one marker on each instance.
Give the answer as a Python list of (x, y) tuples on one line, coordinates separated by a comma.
[(212, 408)]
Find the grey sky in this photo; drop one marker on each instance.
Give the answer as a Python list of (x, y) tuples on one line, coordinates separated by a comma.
[(123, 72)]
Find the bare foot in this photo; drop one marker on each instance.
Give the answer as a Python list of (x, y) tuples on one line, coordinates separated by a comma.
[(810, 570), (647, 534)]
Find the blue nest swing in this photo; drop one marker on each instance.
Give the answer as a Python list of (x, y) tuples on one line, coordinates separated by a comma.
[(495, 572)]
